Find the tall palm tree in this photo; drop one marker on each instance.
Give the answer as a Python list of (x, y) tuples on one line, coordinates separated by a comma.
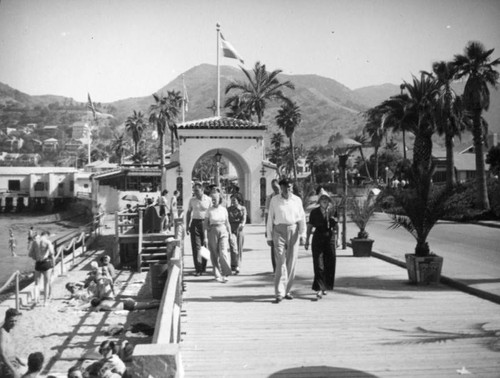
[(394, 116), (420, 113), (376, 132), (163, 114), (363, 140), (288, 119), (262, 87), (477, 65), (276, 152), (135, 125), (118, 146), (450, 114)]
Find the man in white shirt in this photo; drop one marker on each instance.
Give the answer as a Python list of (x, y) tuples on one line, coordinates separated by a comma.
[(285, 230), (195, 215)]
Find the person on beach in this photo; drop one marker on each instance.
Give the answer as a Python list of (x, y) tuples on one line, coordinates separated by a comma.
[(195, 215), (31, 237), (110, 362), (35, 364), (42, 251), (237, 219), (324, 222), (216, 230), (107, 266), (75, 372), (128, 304), (12, 242), (276, 190), (10, 364), (286, 229)]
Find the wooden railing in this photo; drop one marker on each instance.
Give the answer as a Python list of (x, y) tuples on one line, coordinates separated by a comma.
[(13, 276), (69, 242), (162, 356)]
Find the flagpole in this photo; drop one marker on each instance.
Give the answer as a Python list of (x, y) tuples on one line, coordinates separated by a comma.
[(183, 99), (218, 71)]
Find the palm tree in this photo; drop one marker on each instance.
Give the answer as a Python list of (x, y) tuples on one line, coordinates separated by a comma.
[(237, 108), (361, 138), (376, 132), (450, 115), (288, 119), (420, 113), (475, 63), (119, 146), (135, 124), (394, 116), (276, 152), (163, 113), (261, 88)]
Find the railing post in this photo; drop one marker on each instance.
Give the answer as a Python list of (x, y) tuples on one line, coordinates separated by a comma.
[(74, 245), (62, 260), (17, 290), (84, 246)]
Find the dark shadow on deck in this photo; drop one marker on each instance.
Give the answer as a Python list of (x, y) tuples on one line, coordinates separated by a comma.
[(320, 372)]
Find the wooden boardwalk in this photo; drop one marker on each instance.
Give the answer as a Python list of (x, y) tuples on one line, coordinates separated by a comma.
[(373, 325)]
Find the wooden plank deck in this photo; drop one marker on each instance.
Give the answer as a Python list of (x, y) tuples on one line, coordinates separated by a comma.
[(373, 325)]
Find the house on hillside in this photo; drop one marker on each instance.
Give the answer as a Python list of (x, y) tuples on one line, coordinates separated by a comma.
[(13, 144), (465, 161), (50, 129), (50, 144), (79, 130), (73, 145)]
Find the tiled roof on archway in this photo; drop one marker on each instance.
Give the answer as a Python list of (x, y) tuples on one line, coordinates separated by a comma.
[(224, 123)]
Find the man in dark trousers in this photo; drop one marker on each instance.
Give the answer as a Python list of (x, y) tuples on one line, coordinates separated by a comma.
[(195, 215)]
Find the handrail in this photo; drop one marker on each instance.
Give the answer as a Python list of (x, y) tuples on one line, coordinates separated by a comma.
[(80, 237), (77, 237), (13, 276)]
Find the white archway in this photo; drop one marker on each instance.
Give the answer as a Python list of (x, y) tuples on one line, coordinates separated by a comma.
[(241, 142)]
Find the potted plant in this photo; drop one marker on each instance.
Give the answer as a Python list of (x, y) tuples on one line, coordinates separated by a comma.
[(360, 213), (422, 206)]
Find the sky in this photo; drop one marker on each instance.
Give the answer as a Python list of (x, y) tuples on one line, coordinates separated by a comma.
[(116, 49)]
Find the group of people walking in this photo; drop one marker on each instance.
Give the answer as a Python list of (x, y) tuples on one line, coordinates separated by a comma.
[(211, 224)]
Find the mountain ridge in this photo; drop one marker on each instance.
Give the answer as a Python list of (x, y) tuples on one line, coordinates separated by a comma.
[(327, 105)]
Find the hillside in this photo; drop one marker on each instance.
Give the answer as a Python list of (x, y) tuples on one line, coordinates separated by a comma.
[(327, 106)]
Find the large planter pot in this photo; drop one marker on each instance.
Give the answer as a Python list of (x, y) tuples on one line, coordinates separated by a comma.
[(424, 270), (361, 247)]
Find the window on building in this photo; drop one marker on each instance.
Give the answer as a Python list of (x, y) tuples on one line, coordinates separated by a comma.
[(86, 186), (39, 186), (15, 185), (71, 185)]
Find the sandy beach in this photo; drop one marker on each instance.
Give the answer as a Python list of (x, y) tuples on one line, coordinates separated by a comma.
[(69, 333), (58, 224)]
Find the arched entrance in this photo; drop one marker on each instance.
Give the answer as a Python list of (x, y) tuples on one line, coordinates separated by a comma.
[(240, 166), (241, 142)]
